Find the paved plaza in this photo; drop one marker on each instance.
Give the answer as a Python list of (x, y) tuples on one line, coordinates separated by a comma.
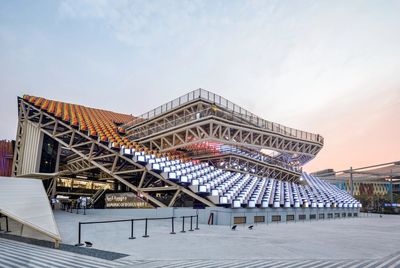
[(353, 242)]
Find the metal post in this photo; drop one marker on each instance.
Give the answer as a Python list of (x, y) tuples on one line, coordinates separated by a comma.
[(7, 231), (145, 229), (197, 222), (132, 237), (84, 210), (351, 182), (172, 226), (391, 188), (191, 224), (183, 224), (79, 236)]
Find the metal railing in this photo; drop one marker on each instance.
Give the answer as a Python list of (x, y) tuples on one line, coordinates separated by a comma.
[(6, 221), (230, 106), (146, 233), (201, 154)]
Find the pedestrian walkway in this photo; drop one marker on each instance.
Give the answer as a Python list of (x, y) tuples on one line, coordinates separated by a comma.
[(390, 262), (20, 255)]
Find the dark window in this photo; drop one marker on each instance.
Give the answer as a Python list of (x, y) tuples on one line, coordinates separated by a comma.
[(349, 214), (355, 214), (344, 215), (330, 215), (259, 219), (289, 217), (48, 160), (276, 218), (321, 216), (302, 217), (337, 215), (313, 216), (239, 220)]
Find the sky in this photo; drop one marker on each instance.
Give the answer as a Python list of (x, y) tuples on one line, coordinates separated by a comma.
[(327, 67)]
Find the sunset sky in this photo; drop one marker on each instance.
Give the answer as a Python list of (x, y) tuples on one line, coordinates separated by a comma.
[(328, 67)]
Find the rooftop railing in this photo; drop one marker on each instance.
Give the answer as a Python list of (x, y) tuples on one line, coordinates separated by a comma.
[(230, 106)]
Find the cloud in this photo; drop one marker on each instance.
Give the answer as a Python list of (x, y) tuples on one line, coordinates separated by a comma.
[(312, 65), (138, 23)]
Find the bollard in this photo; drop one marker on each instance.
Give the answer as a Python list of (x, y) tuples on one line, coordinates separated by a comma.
[(84, 210), (132, 237), (172, 226), (197, 222), (191, 224), (145, 230), (183, 225)]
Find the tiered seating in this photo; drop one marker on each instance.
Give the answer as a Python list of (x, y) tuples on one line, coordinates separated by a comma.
[(243, 195), (228, 190), (266, 198), (97, 124), (238, 190), (329, 195), (257, 194), (220, 186)]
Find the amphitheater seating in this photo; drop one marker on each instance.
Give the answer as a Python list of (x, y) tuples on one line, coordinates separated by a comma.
[(238, 190), (232, 189), (328, 194), (102, 125), (96, 123)]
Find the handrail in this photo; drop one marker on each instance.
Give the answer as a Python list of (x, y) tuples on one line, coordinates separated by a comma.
[(266, 159), (230, 106)]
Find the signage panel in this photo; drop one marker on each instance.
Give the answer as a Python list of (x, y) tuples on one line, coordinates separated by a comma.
[(125, 200)]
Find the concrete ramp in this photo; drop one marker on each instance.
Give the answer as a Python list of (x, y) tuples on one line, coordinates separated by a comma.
[(25, 201)]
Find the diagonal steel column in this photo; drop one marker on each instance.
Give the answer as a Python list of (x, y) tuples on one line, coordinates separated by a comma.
[(80, 149)]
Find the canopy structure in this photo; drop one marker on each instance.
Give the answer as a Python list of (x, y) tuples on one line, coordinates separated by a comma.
[(25, 201)]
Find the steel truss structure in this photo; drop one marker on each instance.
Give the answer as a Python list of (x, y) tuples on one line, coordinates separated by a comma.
[(238, 163), (88, 154), (201, 121)]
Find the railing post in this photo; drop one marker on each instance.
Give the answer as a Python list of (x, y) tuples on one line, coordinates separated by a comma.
[(79, 236), (191, 224), (0, 223), (197, 222), (172, 226), (7, 231), (183, 224), (145, 229), (132, 237)]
